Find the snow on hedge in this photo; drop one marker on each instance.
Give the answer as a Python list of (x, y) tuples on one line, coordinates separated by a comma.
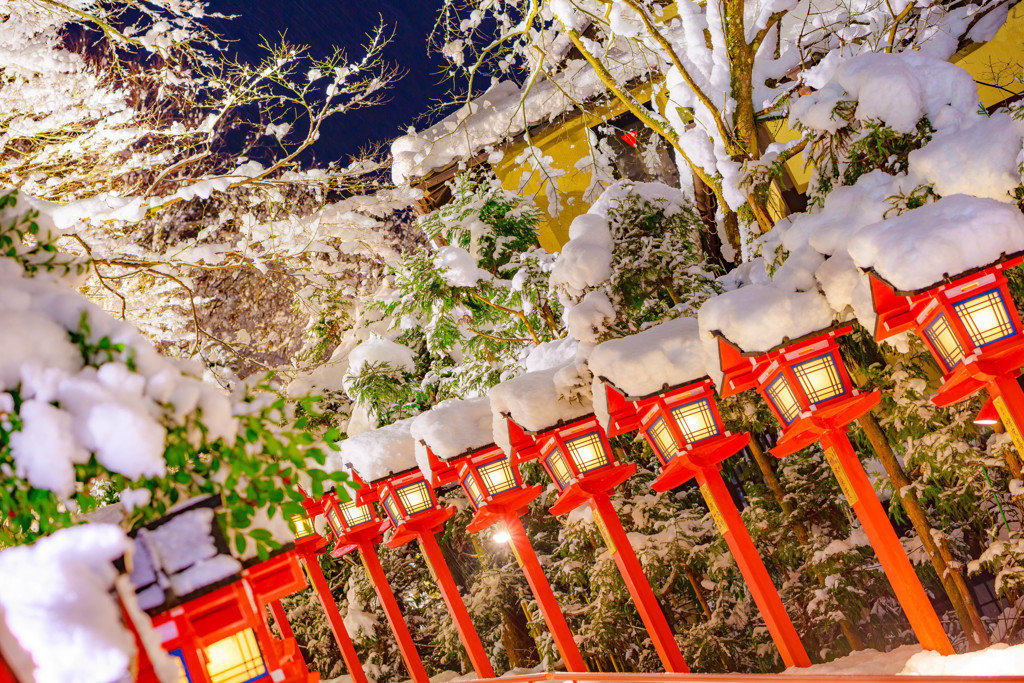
[(920, 248), (539, 400), (59, 612), (452, 428), (378, 453), (114, 411)]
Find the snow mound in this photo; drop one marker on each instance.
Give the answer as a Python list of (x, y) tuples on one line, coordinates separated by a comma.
[(539, 400), (377, 350), (921, 247), (378, 453), (56, 602), (757, 318), (452, 428), (641, 364)]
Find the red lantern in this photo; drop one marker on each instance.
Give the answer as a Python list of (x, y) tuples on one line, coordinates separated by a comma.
[(356, 526), (579, 460), (685, 430), (412, 507), (973, 330), (495, 488), (808, 389)]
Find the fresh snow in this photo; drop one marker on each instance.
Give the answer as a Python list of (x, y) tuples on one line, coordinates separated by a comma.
[(912, 660), (378, 453), (920, 248), (452, 428), (667, 354), (539, 400)]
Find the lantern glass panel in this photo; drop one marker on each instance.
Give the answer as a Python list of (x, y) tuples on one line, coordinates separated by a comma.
[(303, 526), (587, 452), (985, 317), (473, 489), (941, 336), (497, 476), (356, 514), (335, 521), (415, 498), (663, 440), (696, 420), (235, 659), (782, 397), (392, 509), (819, 378), (558, 467)]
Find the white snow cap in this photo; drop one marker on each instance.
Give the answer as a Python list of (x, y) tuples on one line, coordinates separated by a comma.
[(539, 400), (898, 89), (56, 603), (378, 453), (758, 318), (956, 234), (667, 354), (451, 428), (458, 267), (377, 349)]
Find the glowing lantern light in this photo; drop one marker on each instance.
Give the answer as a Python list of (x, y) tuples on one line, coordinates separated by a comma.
[(972, 328), (684, 429), (807, 387), (579, 460), (356, 526), (496, 490)]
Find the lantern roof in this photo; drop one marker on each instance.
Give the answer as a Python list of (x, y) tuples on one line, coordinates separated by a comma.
[(939, 242), (377, 454), (453, 428), (538, 401)]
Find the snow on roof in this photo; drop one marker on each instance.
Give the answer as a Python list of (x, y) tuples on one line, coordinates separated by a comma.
[(668, 354), (452, 428), (180, 554), (496, 115), (539, 400), (378, 453), (757, 318), (922, 247), (57, 607)]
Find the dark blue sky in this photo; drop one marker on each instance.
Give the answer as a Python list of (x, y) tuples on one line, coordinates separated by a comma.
[(324, 23)]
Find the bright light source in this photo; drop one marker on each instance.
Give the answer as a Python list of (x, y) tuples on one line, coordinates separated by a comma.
[(502, 536)]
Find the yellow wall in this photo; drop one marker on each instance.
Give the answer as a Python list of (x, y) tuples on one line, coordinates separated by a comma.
[(996, 64)]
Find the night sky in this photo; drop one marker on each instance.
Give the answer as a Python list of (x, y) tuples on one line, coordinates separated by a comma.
[(324, 23)]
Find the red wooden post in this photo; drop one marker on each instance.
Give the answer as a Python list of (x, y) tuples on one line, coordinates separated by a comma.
[(368, 553), (636, 582), (731, 526), (450, 592), (281, 619), (323, 592), (546, 600), (904, 581)]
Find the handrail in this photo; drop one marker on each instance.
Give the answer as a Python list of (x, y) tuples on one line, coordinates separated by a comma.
[(563, 677)]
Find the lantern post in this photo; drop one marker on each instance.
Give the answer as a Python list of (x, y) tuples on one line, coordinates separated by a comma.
[(807, 387), (685, 430), (495, 488), (971, 326), (309, 545), (357, 527), (412, 507), (579, 460)]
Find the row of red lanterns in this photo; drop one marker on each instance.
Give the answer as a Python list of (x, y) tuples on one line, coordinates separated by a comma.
[(969, 324)]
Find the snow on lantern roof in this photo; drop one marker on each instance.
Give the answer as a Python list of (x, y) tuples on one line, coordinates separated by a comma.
[(180, 555), (57, 609), (758, 318), (925, 246), (452, 428), (378, 453), (498, 115), (662, 356), (538, 401)]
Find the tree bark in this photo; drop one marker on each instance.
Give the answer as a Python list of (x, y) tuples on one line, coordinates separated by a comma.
[(938, 552)]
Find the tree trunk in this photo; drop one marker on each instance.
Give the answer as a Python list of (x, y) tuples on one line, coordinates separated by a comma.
[(698, 590), (938, 552)]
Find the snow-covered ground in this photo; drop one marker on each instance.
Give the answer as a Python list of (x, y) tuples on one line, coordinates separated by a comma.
[(911, 660)]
